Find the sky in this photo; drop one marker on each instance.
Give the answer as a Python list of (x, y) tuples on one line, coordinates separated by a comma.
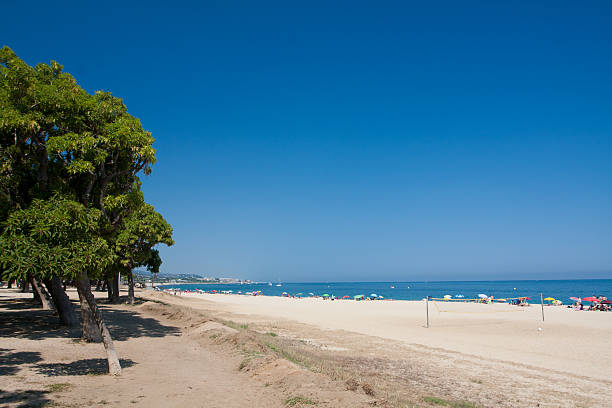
[(358, 141)]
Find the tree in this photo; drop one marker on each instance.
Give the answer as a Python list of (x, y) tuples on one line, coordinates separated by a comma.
[(140, 232), (58, 236), (55, 138)]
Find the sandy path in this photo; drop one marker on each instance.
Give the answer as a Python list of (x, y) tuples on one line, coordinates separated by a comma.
[(166, 364)]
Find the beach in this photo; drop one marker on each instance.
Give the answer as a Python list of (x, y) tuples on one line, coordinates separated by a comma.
[(507, 345), (209, 350)]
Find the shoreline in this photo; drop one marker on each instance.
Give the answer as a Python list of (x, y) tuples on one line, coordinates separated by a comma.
[(560, 291)]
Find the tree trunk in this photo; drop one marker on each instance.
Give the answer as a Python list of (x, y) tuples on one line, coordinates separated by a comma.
[(84, 288), (109, 288), (40, 295), (64, 306), (35, 295), (131, 286), (91, 332), (115, 289), (25, 285)]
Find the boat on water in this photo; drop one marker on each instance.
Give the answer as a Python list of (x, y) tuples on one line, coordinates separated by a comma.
[(278, 284)]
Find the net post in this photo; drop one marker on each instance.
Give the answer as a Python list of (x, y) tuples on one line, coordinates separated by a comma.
[(542, 303), (427, 310)]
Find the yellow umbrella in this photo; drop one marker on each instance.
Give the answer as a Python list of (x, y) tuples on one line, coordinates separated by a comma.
[(549, 298)]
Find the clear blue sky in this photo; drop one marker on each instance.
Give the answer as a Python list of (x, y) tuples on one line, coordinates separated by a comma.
[(322, 141)]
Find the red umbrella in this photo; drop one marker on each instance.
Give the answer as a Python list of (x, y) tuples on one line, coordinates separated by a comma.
[(591, 299), (607, 302), (574, 298)]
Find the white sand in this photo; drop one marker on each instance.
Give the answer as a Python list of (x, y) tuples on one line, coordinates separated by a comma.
[(575, 342)]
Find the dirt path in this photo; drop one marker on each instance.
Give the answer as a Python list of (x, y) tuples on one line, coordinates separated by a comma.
[(170, 359)]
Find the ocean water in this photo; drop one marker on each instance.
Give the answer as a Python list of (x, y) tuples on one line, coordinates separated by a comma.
[(558, 289)]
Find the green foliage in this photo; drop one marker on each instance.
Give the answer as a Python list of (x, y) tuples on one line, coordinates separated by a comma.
[(55, 136), (57, 236), (66, 157), (136, 237)]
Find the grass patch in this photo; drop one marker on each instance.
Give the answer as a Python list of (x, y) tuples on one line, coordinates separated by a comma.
[(289, 356), (272, 347), (243, 363), (293, 401), (236, 326), (272, 334), (445, 403), (476, 381), (250, 355), (59, 387), (214, 336)]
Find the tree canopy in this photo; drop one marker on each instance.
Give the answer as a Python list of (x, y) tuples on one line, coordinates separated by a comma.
[(60, 143), (53, 237)]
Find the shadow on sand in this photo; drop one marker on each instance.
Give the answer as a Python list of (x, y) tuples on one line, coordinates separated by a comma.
[(90, 366), (23, 319), (24, 398), (11, 360)]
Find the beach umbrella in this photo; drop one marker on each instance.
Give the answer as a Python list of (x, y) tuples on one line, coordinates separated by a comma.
[(325, 295), (482, 296), (575, 298), (447, 297), (374, 295), (380, 297), (607, 302), (459, 296), (311, 294), (591, 299), (346, 297), (549, 298)]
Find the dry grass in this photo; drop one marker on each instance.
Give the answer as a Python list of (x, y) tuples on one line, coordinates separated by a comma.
[(445, 403), (59, 387)]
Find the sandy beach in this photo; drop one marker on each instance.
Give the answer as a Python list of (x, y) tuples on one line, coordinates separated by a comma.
[(575, 342), (564, 361), (206, 350)]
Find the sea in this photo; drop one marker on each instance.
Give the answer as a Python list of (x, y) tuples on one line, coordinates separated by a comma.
[(558, 289)]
